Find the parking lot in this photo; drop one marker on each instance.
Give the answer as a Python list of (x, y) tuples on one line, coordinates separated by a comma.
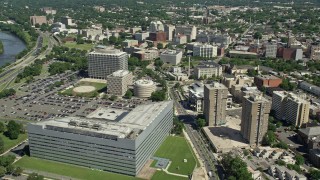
[(41, 100)]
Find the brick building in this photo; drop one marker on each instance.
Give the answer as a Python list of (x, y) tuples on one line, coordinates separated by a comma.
[(267, 81), (158, 36)]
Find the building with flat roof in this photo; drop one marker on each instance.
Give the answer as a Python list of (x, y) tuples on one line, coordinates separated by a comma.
[(130, 42), (242, 54), (254, 119), (146, 55), (114, 140), (141, 36), (38, 20), (189, 31), (215, 103), (103, 61), (143, 88), (205, 50), (159, 36), (315, 52), (67, 21), (196, 94), (290, 107), (169, 30), (208, 69), (156, 26), (271, 50), (310, 88), (267, 81), (119, 81), (171, 56)]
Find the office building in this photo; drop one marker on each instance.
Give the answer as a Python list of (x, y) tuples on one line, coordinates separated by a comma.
[(146, 55), (92, 34), (143, 88), (189, 31), (196, 94), (38, 20), (171, 56), (254, 119), (48, 10), (158, 36), (214, 103), (205, 50), (290, 107), (130, 42), (208, 69), (224, 39), (108, 139), (180, 39), (169, 30), (104, 61), (156, 26), (271, 50), (67, 21), (118, 82), (141, 36), (315, 52)]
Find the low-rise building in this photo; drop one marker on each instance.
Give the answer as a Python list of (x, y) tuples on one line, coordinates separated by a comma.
[(129, 42), (310, 88), (180, 39), (171, 56), (267, 81), (208, 69), (146, 55), (118, 82), (92, 34), (141, 36), (315, 52), (196, 91), (281, 172)]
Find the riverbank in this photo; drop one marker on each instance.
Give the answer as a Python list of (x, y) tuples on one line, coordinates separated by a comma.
[(1, 47)]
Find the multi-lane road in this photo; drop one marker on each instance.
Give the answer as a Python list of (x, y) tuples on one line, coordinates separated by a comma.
[(11, 72), (198, 140)]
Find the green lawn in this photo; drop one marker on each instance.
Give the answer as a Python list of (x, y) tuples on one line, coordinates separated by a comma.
[(160, 175), (8, 143), (86, 47), (68, 170), (177, 149)]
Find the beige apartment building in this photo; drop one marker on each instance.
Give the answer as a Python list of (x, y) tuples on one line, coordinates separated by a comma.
[(254, 119), (118, 82), (215, 101), (290, 107)]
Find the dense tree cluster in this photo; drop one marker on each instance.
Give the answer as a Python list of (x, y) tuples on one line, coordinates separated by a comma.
[(287, 85), (6, 166), (7, 92), (30, 71), (235, 168), (1, 48), (177, 126), (134, 62), (13, 129), (158, 95)]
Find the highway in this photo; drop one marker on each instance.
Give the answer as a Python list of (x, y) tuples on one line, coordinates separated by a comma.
[(198, 140), (11, 72)]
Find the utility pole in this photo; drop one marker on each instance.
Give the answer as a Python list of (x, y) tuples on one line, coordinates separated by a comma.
[(189, 67)]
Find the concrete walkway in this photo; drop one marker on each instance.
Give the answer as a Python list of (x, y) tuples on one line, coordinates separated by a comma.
[(13, 147), (166, 171), (49, 175)]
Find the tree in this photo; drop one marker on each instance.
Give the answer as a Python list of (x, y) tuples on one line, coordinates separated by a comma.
[(269, 138), (280, 162), (158, 95), (201, 123), (18, 171), (287, 85), (113, 98), (158, 62), (235, 167), (257, 35), (128, 94), (35, 176), (160, 46), (13, 129), (177, 126), (10, 169), (113, 40), (299, 159), (2, 171), (314, 174), (2, 127), (1, 145)]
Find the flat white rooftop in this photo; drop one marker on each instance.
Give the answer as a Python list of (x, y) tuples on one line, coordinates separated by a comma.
[(109, 121)]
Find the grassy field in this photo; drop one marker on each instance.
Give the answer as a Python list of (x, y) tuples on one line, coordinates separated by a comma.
[(68, 170), (160, 175), (100, 87), (177, 149), (8, 143), (86, 47)]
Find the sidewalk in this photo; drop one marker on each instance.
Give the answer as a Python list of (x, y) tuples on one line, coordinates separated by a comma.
[(199, 172)]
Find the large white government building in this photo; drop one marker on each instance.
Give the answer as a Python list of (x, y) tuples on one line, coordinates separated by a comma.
[(103, 61), (108, 139)]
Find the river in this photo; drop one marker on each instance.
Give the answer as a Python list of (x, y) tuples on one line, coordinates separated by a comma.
[(12, 46)]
